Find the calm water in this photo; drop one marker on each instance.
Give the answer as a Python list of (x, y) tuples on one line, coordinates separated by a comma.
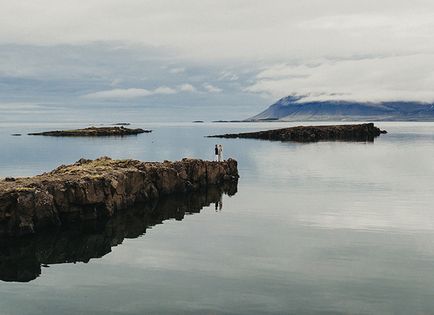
[(328, 227)]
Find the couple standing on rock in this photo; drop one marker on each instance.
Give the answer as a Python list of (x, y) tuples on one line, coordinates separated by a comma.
[(218, 151)]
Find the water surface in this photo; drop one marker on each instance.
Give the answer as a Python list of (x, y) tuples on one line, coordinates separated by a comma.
[(329, 227)]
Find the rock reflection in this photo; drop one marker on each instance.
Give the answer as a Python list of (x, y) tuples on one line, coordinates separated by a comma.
[(21, 259)]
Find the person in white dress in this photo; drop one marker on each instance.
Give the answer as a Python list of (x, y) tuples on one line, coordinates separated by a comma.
[(220, 151)]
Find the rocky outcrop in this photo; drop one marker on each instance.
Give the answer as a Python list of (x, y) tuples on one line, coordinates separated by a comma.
[(21, 258), (359, 132), (92, 132), (94, 189)]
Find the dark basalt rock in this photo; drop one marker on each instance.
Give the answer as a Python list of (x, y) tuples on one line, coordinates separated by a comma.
[(359, 132), (21, 259), (92, 132), (95, 189)]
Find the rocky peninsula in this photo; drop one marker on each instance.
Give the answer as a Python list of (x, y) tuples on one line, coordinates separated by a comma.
[(21, 259), (92, 132), (358, 132), (97, 189)]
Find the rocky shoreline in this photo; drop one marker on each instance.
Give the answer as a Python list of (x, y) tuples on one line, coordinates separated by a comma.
[(92, 132), (95, 189), (358, 132)]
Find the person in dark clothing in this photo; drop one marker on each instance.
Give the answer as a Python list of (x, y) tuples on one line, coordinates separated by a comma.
[(216, 152)]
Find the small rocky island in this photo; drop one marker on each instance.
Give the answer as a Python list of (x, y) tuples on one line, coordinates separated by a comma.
[(97, 189), (92, 132), (359, 132)]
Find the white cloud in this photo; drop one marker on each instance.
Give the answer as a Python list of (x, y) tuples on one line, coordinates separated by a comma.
[(236, 29), (372, 79), (186, 88), (228, 76), (137, 93), (164, 90), (118, 94), (211, 88)]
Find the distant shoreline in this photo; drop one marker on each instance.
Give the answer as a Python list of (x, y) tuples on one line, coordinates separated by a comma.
[(322, 120)]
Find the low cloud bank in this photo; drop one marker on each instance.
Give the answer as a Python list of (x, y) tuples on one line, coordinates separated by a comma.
[(375, 79)]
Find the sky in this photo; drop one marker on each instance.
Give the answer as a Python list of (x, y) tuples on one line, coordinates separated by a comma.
[(202, 59)]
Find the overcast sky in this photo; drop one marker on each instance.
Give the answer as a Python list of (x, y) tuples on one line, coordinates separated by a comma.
[(213, 56)]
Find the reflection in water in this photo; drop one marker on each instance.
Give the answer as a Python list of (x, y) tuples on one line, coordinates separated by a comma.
[(21, 259), (219, 204)]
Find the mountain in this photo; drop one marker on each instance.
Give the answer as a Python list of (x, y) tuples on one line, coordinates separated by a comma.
[(293, 108)]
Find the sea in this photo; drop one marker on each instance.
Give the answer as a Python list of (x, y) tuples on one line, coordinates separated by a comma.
[(313, 228)]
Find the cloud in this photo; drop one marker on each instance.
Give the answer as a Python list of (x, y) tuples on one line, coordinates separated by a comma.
[(401, 22), (118, 94), (211, 88), (228, 76), (19, 106), (128, 93), (236, 29), (132, 93), (370, 79), (163, 90), (186, 88)]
